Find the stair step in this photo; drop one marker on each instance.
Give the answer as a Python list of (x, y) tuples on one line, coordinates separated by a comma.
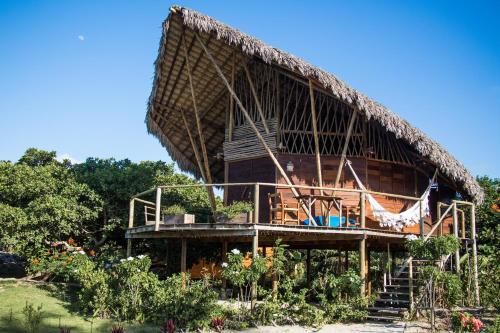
[(388, 309), (389, 300), (382, 318), (399, 293)]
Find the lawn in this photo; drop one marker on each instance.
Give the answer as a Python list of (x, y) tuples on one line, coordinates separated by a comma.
[(56, 307)]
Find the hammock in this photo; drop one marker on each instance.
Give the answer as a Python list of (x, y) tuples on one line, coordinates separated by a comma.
[(398, 221)]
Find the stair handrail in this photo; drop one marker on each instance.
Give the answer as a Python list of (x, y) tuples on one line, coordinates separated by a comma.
[(428, 286), (434, 227)]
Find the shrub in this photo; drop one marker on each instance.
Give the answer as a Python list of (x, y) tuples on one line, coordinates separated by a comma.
[(218, 323), (243, 277), (117, 329), (32, 317), (237, 207), (168, 327), (447, 286), (173, 210), (433, 248)]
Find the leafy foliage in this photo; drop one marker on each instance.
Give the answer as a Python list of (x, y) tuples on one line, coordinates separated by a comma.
[(433, 248), (40, 199), (447, 285), (231, 211), (173, 210)]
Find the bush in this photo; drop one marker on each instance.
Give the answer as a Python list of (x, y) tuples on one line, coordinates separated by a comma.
[(465, 322), (237, 207), (173, 210), (32, 317), (447, 286), (433, 248)]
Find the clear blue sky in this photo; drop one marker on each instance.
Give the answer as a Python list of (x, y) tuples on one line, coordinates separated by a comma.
[(75, 75)]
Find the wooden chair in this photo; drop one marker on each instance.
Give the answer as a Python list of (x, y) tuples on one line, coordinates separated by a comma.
[(281, 212), (351, 211)]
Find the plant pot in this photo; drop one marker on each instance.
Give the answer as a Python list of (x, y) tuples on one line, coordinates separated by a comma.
[(241, 218), (175, 219)]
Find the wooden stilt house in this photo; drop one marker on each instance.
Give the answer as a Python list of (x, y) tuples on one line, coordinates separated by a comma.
[(314, 155)]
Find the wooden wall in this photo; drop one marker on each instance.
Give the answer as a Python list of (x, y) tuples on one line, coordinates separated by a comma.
[(376, 175)]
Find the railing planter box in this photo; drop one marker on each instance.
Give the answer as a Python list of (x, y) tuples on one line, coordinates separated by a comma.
[(175, 219), (240, 218)]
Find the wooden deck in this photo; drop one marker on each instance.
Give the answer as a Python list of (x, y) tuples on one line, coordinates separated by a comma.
[(296, 236)]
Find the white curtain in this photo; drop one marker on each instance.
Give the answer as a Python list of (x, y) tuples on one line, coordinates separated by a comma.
[(397, 221)]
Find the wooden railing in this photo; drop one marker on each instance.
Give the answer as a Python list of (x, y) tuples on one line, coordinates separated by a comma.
[(156, 205)]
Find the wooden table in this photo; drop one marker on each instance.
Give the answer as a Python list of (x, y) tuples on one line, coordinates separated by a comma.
[(310, 199)]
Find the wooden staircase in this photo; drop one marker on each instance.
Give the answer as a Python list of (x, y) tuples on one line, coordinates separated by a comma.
[(394, 301)]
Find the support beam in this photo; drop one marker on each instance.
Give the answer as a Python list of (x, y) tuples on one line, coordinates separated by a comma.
[(256, 98), (346, 145), (131, 212), (158, 209), (230, 130), (362, 265), (224, 259), (183, 261), (129, 247), (438, 216), (252, 124), (211, 195), (256, 203), (195, 148), (308, 267), (474, 252), (455, 232), (314, 121), (422, 219), (255, 246)]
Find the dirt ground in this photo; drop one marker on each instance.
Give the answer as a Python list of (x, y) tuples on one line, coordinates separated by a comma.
[(398, 327)]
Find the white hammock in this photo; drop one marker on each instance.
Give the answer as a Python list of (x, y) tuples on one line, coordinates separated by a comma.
[(398, 221)]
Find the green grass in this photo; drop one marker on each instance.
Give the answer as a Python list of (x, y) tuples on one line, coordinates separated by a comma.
[(56, 307)]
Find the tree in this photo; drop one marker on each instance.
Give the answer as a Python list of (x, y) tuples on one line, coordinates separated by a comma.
[(40, 200), (488, 227)]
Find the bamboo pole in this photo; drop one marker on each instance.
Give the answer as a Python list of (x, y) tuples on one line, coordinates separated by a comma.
[(474, 252), (462, 218), (256, 98), (158, 209), (346, 145), (362, 246), (252, 124), (315, 135), (255, 246), (183, 261), (439, 222), (131, 213), (422, 219), (230, 129), (410, 283), (224, 259), (193, 145), (256, 198), (210, 190), (129, 247), (455, 232), (439, 219)]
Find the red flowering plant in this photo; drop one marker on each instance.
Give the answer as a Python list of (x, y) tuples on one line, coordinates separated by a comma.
[(465, 322)]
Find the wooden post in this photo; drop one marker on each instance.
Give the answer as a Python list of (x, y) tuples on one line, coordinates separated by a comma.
[(346, 145), (368, 273), (462, 218), (308, 268), (422, 219), (362, 264), (224, 259), (255, 246), (256, 198), (256, 98), (438, 215), (410, 283), (210, 190), (474, 252), (314, 122), (158, 209), (455, 232), (183, 261), (193, 145), (346, 261), (129, 247), (389, 262), (252, 124), (230, 132), (362, 246), (131, 214)]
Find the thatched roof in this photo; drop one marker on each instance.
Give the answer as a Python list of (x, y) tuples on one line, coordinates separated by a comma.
[(171, 93)]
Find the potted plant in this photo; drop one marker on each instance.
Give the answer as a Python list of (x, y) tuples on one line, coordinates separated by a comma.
[(237, 212), (175, 214)]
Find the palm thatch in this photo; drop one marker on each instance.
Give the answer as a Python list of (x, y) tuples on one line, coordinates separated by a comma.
[(170, 94)]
